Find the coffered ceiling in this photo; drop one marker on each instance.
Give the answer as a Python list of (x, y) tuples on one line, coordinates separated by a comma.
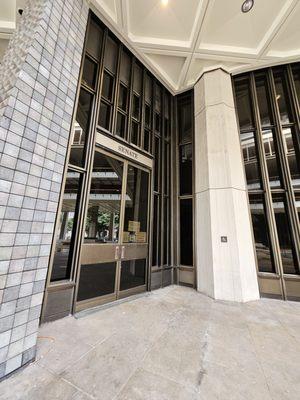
[(180, 40)]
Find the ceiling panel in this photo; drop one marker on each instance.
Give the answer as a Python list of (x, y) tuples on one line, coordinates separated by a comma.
[(198, 66), (172, 22), (225, 24), (287, 40), (169, 66)]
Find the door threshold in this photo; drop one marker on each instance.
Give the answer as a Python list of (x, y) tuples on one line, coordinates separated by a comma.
[(88, 311)]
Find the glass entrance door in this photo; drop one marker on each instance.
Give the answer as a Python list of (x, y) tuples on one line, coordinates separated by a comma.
[(114, 256)]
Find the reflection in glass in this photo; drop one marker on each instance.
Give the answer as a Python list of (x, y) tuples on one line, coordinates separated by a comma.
[(282, 97), (155, 232), (111, 55), (289, 135), (104, 115), (243, 102), (263, 101), (107, 86), (65, 232), (125, 68), (167, 166), (185, 118), (272, 158), (248, 144), (96, 280), (121, 125), (136, 206), (137, 79), (186, 169), (289, 261), (123, 94), (80, 128), (296, 74), (89, 73), (156, 163), (102, 222), (186, 232), (261, 234), (148, 89), (133, 274), (94, 40), (147, 140)]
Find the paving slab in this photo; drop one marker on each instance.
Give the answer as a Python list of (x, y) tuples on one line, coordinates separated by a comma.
[(172, 344)]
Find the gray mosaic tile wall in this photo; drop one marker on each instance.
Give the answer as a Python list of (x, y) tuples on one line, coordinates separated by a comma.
[(38, 81)]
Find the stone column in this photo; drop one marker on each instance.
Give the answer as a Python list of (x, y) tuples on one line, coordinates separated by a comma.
[(38, 80), (225, 256)]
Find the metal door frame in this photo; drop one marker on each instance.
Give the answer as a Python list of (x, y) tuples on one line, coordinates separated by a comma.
[(117, 294)]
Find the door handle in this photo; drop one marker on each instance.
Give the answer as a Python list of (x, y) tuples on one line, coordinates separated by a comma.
[(122, 252), (117, 252)]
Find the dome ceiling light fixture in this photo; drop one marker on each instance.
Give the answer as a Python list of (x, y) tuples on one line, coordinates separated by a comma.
[(164, 3), (247, 6)]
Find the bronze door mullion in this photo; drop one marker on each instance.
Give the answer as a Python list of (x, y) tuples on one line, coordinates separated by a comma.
[(116, 91), (285, 171), (267, 194), (88, 177)]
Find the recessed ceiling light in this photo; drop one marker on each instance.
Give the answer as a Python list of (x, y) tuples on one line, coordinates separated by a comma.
[(247, 5), (164, 3)]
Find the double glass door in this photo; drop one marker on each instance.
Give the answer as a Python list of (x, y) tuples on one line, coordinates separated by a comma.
[(114, 256)]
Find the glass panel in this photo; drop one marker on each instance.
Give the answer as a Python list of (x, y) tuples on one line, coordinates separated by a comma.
[(296, 73), (156, 163), (157, 103), (96, 280), (243, 103), (102, 222), (155, 233), (148, 89), (186, 232), (136, 107), (157, 123), (111, 55), (261, 234), (185, 119), (94, 40), (282, 97), (104, 116), (147, 140), (125, 68), (107, 86), (167, 129), (89, 73), (265, 110), (80, 128), (167, 172), (121, 125), (136, 206), (147, 116), (134, 133), (166, 229), (272, 158), (186, 169), (133, 274), (123, 95), (289, 135), (65, 232), (248, 144), (137, 79), (287, 250)]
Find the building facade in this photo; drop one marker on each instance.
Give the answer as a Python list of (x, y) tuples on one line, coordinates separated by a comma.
[(113, 185)]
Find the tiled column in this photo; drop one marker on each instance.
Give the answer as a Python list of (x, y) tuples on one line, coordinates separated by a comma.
[(38, 81), (225, 256)]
